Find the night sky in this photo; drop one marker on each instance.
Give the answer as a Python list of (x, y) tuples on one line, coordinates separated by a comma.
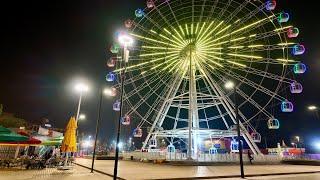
[(47, 45)]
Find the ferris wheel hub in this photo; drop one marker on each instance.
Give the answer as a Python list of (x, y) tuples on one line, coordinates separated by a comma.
[(190, 49)]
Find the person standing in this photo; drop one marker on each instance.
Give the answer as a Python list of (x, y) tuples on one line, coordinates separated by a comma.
[(250, 156)]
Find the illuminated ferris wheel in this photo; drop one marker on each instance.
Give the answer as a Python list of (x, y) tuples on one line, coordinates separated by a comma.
[(185, 54)]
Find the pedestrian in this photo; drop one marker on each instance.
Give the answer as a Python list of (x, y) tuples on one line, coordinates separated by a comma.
[(250, 157)]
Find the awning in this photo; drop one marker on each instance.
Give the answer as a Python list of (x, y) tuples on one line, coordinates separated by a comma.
[(12, 137), (4, 130)]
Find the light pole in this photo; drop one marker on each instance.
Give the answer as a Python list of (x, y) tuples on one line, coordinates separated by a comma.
[(231, 86), (125, 40), (81, 89), (97, 129), (81, 117), (107, 92)]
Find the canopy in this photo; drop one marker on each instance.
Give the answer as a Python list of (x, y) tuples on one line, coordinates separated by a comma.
[(6, 135), (30, 141), (53, 142), (69, 143), (4, 130), (12, 137)]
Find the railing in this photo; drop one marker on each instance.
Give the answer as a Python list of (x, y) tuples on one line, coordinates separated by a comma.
[(302, 157), (200, 157)]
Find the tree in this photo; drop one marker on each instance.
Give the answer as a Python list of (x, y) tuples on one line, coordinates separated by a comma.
[(9, 120)]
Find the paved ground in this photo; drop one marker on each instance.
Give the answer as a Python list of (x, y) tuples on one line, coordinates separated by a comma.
[(78, 173), (284, 177), (136, 170)]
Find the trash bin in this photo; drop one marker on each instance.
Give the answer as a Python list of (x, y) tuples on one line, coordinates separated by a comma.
[(131, 158)]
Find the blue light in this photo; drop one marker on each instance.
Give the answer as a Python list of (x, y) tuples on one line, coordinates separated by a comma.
[(110, 77), (139, 13)]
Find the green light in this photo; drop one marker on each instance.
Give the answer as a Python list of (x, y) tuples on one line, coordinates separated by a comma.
[(181, 30), (245, 56), (235, 63)]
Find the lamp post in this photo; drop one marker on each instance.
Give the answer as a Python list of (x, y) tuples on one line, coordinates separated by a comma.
[(125, 40), (107, 92), (231, 86), (97, 129), (81, 117), (81, 89)]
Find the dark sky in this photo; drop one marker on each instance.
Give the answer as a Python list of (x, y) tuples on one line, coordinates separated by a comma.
[(47, 44)]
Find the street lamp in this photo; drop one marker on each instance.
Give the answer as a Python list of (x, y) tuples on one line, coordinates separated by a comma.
[(82, 117), (111, 92), (125, 40), (313, 108), (231, 86)]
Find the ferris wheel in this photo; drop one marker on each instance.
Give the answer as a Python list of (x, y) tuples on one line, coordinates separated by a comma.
[(185, 54)]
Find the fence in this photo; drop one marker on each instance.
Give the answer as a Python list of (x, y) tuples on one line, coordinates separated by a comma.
[(200, 157)]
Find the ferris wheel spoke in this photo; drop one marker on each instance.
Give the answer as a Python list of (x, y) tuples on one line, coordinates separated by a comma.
[(236, 12), (248, 98), (151, 108), (157, 41), (151, 74), (260, 48), (262, 73), (253, 84), (147, 95), (159, 118), (229, 105), (153, 22), (242, 61), (250, 39), (162, 16), (244, 19), (144, 98), (205, 35), (238, 31), (146, 83), (203, 7), (139, 65), (224, 9), (200, 66)]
